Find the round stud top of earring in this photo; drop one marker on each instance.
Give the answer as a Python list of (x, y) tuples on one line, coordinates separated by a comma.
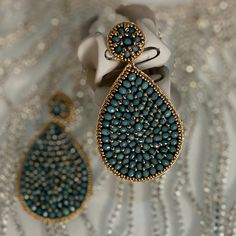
[(60, 106), (125, 41)]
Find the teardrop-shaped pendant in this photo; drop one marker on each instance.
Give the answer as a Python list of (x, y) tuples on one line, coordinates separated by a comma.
[(139, 133), (55, 178)]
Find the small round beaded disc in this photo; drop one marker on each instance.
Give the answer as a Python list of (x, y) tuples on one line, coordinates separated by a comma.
[(126, 41), (54, 182)]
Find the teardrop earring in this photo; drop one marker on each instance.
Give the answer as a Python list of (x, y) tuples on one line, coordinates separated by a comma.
[(55, 179), (139, 133)]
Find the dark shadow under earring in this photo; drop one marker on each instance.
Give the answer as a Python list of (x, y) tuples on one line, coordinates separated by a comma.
[(55, 179), (139, 133)]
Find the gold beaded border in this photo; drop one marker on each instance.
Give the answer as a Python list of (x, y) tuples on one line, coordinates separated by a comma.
[(83, 156), (131, 68), (111, 45)]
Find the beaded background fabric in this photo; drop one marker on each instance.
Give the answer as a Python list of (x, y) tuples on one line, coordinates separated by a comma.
[(38, 45)]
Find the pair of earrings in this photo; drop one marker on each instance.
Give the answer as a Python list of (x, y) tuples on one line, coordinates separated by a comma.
[(139, 137)]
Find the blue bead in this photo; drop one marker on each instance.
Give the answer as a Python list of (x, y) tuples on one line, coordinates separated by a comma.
[(110, 109), (109, 154), (174, 135), (131, 137), (127, 150), (127, 41), (139, 166), (112, 161), (174, 127), (131, 173), (165, 135), (132, 164), (135, 48), (125, 102), (138, 81), (134, 89), (115, 39), (163, 107), (120, 156), (123, 90), (153, 171), (121, 30), (132, 76), (114, 136), (152, 151), (136, 102), (139, 127), (127, 84), (115, 122), (137, 39), (147, 165), (130, 96), (156, 131), (124, 170), (125, 161), (159, 101), (154, 96), (172, 149), (118, 49), (159, 156), (118, 166), (105, 131), (117, 149), (171, 120), (115, 143), (123, 129), (118, 114), (144, 85), (123, 144), (132, 144), (173, 142), (163, 149), (146, 147), (137, 149), (164, 128), (125, 122), (146, 156), (127, 54), (169, 156), (167, 113), (132, 155), (105, 139), (165, 162), (160, 167), (131, 31), (118, 96), (106, 147), (138, 174), (154, 161), (114, 103), (157, 138), (127, 115), (146, 173), (149, 90)]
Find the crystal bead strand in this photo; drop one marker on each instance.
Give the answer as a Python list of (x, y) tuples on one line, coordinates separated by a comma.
[(155, 209), (116, 211), (157, 189), (88, 224), (16, 219), (130, 215)]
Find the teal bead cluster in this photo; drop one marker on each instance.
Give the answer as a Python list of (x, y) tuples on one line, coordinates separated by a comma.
[(54, 180), (139, 132), (126, 41), (60, 106)]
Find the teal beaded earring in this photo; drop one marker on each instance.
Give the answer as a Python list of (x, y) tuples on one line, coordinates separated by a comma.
[(54, 182), (139, 133)]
